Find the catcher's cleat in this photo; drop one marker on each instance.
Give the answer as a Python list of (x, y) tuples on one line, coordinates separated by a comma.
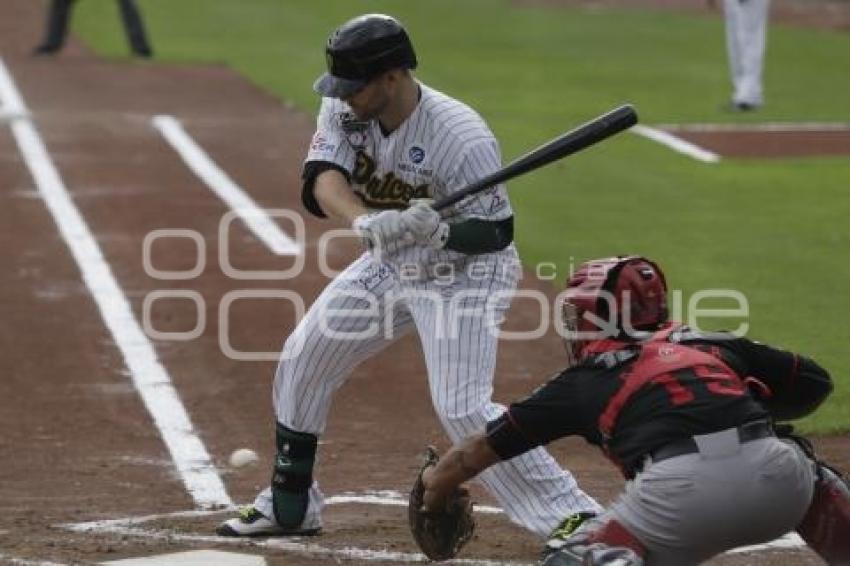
[(558, 537), (252, 523)]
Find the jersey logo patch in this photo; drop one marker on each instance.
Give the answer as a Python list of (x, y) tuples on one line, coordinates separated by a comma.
[(354, 129), (387, 191), (357, 140), (320, 143), (416, 154)]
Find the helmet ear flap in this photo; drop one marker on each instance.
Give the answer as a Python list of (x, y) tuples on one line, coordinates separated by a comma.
[(640, 289)]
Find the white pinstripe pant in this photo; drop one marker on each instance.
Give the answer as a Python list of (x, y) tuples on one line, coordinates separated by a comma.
[(456, 323)]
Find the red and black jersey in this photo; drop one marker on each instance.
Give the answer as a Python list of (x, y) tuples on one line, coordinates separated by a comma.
[(633, 397)]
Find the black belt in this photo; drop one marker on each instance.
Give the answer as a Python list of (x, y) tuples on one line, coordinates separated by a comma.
[(747, 432)]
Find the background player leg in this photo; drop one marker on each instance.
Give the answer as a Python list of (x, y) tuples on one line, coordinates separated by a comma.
[(754, 15), (57, 27), (734, 45), (746, 23), (135, 28)]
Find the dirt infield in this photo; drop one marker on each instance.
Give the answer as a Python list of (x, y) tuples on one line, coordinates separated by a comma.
[(770, 141), (78, 443)]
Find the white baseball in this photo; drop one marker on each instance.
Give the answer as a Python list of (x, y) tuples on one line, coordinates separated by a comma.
[(243, 457)]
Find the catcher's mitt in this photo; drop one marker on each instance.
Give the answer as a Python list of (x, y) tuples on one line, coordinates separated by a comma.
[(440, 534)]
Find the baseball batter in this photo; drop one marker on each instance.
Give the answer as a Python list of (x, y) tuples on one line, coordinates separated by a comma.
[(685, 415), (384, 144), (746, 33)]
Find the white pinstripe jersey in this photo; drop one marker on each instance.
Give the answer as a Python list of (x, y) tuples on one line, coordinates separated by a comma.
[(443, 146)]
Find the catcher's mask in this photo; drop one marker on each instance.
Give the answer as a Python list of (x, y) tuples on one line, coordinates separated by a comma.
[(621, 297)]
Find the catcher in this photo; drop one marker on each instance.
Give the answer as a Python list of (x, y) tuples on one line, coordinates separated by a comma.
[(687, 417)]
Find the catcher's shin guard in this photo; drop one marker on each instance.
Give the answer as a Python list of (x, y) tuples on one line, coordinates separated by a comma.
[(596, 544), (293, 475), (826, 526)]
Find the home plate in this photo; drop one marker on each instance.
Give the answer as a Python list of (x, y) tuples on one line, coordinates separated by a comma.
[(194, 558)]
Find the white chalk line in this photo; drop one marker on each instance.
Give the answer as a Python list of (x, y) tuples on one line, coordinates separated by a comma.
[(130, 525), (295, 545), (150, 378), (759, 127), (202, 165), (789, 541), (395, 499), (675, 143), (8, 115), (14, 561)]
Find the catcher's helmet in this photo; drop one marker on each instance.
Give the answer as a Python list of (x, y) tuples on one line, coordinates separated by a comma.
[(612, 298), (359, 50)]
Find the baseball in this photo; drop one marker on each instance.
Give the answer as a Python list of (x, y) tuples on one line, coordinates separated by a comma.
[(243, 457)]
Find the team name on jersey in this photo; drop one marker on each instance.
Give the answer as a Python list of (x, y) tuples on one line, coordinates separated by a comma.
[(387, 191)]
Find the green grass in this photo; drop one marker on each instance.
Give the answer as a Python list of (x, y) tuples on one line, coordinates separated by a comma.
[(773, 229)]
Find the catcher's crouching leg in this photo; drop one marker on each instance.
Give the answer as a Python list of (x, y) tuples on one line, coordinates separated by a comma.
[(597, 543), (293, 475), (826, 526)]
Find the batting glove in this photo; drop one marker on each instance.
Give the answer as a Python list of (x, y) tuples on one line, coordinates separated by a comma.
[(425, 224), (381, 232)]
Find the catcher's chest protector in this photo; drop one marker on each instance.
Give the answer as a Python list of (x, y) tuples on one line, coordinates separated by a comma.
[(826, 526)]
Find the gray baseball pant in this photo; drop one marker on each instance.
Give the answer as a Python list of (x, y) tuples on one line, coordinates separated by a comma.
[(688, 508)]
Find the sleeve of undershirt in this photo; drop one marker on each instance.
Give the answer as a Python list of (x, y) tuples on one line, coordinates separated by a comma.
[(553, 411), (329, 149), (797, 384)]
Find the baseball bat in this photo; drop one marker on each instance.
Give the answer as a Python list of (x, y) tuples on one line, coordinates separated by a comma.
[(575, 140)]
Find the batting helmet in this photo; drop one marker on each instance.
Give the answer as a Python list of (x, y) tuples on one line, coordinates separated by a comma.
[(361, 49), (612, 298)]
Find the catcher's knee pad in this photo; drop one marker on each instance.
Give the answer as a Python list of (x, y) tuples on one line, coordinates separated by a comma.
[(608, 543), (564, 557), (293, 475), (613, 533), (613, 543)]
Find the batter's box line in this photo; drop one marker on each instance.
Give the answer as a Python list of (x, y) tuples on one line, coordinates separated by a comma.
[(295, 546), (124, 527), (130, 526), (15, 561), (384, 497)]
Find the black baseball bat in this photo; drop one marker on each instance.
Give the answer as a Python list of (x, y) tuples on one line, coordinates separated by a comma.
[(575, 140)]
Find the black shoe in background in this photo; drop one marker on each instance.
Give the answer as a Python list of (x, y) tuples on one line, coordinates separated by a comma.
[(45, 50), (740, 107)]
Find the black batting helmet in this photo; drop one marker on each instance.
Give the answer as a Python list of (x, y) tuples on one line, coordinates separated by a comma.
[(361, 49)]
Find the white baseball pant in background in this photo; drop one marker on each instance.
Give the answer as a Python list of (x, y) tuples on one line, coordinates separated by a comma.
[(746, 34)]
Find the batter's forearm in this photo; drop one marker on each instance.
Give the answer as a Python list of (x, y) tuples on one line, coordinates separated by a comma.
[(334, 195)]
